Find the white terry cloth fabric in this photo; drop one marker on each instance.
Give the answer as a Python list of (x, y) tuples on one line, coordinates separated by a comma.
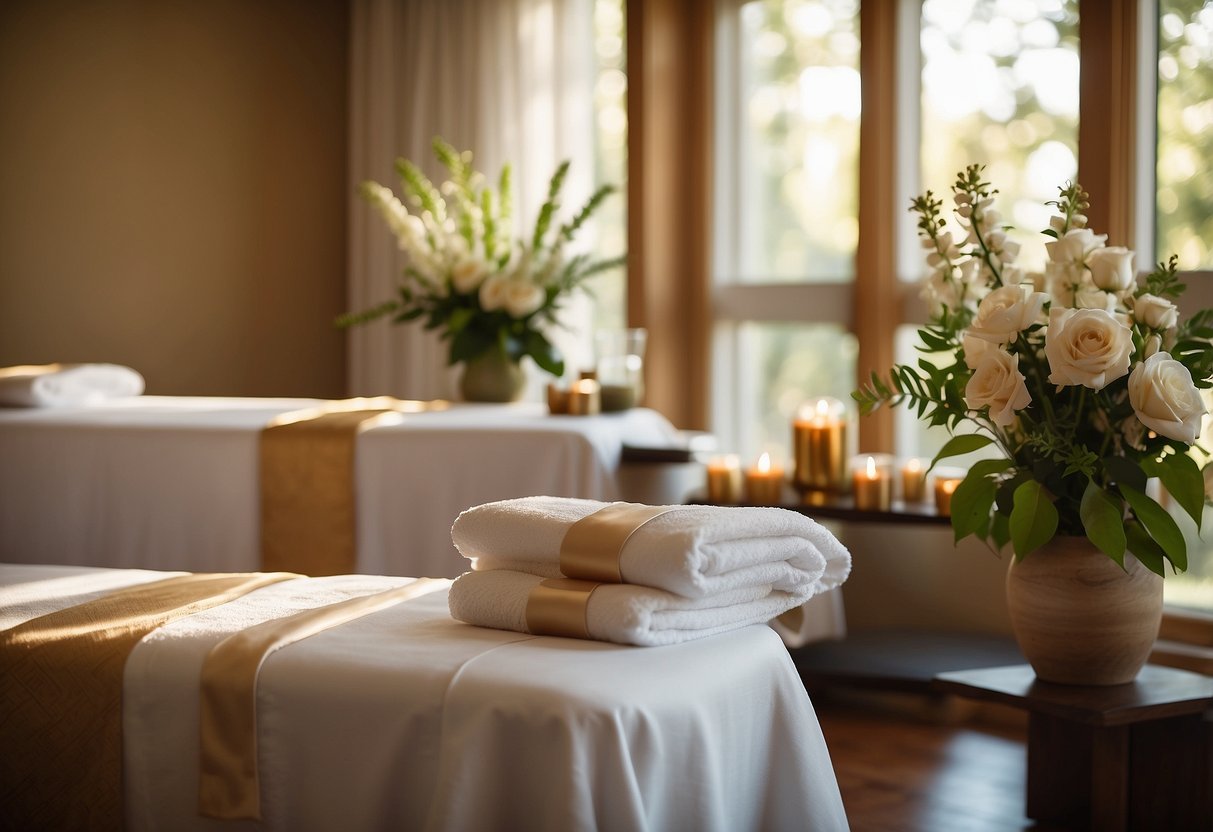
[(692, 551), (66, 385), (408, 719), (620, 613)]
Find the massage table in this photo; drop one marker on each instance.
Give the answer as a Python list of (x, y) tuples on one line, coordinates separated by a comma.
[(407, 719), (166, 482)]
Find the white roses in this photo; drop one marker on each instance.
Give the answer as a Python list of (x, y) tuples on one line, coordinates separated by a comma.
[(1155, 312), (1165, 399), (1091, 347), (997, 382), (1006, 312)]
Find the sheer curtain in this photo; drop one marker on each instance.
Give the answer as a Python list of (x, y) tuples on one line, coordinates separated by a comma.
[(510, 80)]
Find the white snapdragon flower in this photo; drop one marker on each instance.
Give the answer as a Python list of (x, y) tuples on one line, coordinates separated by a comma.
[(997, 383), (1006, 312), (1112, 269), (1091, 347), (1165, 399), (1155, 312)]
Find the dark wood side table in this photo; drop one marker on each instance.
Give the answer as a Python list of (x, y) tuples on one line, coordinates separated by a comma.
[(1122, 757)]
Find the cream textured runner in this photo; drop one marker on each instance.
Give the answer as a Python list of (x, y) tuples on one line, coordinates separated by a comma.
[(61, 698), (228, 786), (308, 500)]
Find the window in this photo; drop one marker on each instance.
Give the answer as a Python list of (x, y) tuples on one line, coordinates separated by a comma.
[(996, 81), (610, 159), (1183, 217)]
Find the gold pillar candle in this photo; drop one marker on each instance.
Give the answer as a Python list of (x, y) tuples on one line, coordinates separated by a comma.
[(944, 488), (585, 398), (764, 483), (724, 480), (819, 442), (913, 481), (872, 483), (558, 398)]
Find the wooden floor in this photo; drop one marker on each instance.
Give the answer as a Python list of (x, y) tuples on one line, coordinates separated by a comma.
[(909, 765)]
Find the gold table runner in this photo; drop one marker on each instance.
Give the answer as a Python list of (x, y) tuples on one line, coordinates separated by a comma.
[(308, 499), (61, 697), (228, 785)]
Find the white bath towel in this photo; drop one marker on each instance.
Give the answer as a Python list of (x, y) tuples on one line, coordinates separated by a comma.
[(693, 551), (65, 385), (620, 613)]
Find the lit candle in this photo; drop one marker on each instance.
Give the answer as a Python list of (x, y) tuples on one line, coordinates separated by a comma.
[(913, 481), (584, 398), (944, 488), (764, 483), (724, 479), (873, 484), (819, 445)]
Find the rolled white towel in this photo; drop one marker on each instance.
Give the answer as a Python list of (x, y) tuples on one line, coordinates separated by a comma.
[(620, 613), (693, 551), (65, 385)]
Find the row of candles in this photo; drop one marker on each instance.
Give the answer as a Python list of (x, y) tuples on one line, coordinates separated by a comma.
[(821, 467), (872, 482)]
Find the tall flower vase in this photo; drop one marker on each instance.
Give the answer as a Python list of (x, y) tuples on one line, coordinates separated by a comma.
[(1078, 617), (492, 376)]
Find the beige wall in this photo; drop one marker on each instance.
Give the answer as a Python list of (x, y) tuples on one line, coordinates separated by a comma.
[(173, 190)]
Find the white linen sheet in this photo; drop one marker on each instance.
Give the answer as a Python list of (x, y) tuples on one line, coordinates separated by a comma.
[(167, 482), (407, 719)]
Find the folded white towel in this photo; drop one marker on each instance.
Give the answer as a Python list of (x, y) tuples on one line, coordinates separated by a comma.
[(621, 613), (64, 385), (693, 551)]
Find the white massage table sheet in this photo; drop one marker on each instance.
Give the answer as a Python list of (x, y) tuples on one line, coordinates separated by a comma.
[(408, 719), (167, 482)]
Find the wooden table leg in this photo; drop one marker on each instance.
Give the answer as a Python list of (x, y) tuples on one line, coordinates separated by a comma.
[(1110, 778), (1078, 775)]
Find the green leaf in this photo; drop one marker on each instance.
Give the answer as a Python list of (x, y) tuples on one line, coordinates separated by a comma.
[(1181, 476), (470, 343), (1160, 525), (1125, 472), (544, 354), (1033, 519), (971, 504), (459, 319), (1000, 530), (1104, 522), (1143, 546), (958, 445)]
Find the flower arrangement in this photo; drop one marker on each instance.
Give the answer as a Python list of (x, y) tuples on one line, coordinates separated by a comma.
[(1086, 383), (466, 276)]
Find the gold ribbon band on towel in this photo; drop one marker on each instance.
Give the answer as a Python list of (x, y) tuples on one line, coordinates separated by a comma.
[(592, 546), (228, 786), (557, 607), (308, 506), (61, 697)]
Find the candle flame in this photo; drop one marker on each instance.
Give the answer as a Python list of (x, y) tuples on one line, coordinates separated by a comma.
[(871, 467), (949, 486), (764, 462), (823, 408), (914, 465)]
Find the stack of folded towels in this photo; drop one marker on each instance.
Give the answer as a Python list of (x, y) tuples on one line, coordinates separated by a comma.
[(66, 385), (690, 572)]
